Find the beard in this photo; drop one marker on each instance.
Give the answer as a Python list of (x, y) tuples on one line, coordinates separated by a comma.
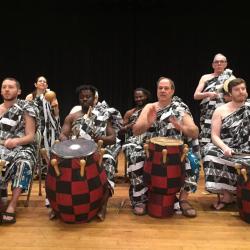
[(9, 99)]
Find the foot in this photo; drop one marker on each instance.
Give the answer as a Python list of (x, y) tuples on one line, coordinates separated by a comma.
[(8, 218), (139, 209), (102, 212), (52, 214), (220, 205), (187, 209)]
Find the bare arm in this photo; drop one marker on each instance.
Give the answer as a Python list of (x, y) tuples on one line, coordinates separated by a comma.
[(146, 119), (110, 136), (215, 133), (186, 126), (198, 94), (30, 129), (66, 128)]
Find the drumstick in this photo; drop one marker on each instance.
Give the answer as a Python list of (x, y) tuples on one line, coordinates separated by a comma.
[(2, 164), (102, 151), (54, 163), (82, 164), (2, 142), (99, 143), (89, 111), (44, 155), (240, 154)]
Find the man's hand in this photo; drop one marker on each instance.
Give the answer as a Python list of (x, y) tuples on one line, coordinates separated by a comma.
[(11, 142)]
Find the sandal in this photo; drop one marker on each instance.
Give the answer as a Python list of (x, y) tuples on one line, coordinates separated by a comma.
[(139, 209), (187, 209), (7, 221), (223, 205)]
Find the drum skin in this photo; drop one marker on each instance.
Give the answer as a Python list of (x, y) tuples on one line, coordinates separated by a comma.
[(243, 198), (76, 199)]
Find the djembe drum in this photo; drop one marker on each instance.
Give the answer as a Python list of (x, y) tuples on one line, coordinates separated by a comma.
[(243, 191), (163, 174), (76, 182)]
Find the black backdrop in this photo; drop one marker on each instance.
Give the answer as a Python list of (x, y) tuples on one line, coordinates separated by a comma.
[(118, 45)]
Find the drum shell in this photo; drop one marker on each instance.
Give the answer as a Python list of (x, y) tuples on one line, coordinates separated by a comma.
[(76, 199), (243, 198), (164, 178), (160, 206)]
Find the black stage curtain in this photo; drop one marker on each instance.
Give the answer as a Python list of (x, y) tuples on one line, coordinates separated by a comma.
[(120, 45)]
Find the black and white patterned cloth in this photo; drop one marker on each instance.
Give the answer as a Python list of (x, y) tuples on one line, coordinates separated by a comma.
[(136, 155), (96, 124), (20, 160), (49, 126), (208, 106), (220, 173)]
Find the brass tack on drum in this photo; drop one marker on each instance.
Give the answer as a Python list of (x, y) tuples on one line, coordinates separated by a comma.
[(54, 163), (82, 167), (164, 155), (244, 173), (238, 167), (146, 146), (184, 153)]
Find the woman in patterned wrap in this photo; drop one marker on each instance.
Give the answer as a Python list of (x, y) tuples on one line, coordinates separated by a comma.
[(49, 116)]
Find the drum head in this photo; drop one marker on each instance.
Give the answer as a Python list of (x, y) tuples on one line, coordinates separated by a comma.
[(166, 141), (74, 148)]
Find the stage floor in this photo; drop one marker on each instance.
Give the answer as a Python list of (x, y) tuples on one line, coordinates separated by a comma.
[(123, 230)]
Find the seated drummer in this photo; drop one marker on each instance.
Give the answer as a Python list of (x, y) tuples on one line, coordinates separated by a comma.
[(230, 134), (18, 149), (141, 98), (92, 122), (168, 117)]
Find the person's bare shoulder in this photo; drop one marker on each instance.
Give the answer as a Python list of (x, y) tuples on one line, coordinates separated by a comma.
[(29, 97), (207, 77), (129, 112)]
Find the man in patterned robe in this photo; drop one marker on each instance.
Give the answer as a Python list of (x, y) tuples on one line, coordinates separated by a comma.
[(230, 136), (210, 92), (169, 116), (18, 148), (94, 121)]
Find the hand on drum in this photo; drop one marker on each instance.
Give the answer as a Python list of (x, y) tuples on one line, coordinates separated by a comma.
[(228, 152), (175, 122)]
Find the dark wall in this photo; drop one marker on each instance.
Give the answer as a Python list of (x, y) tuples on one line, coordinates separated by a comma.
[(120, 45)]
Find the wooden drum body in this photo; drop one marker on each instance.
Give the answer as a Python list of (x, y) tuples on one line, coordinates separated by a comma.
[(243, 193), (75, 182), (163, 173)]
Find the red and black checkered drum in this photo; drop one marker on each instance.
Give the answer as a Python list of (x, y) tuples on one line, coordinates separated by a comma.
[(163, 174), (243, 194), (75, 182)]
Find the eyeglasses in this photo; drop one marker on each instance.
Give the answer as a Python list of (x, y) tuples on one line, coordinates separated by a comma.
[(42, 81), (219, 61)]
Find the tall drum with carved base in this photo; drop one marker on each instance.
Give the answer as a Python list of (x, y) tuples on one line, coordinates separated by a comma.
[(163, 174), (76, 182)]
